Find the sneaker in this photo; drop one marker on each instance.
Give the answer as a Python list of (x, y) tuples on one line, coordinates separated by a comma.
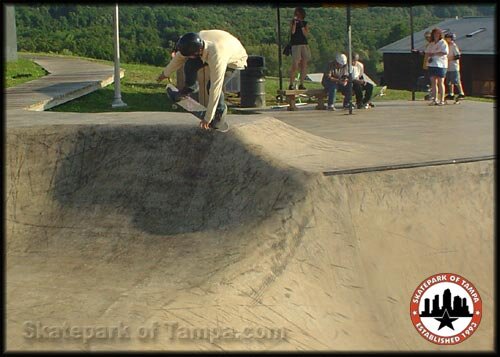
[(360, 106), (440, 103), (367, 106), (291, 87), (461, 96), (175, 96), (370, 104), (332, 108), (450, 97), (433, 102), (301, 87)]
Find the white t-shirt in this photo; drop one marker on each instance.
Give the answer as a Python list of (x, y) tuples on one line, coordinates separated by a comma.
[(358, 70), (440, 61), (453, 64)]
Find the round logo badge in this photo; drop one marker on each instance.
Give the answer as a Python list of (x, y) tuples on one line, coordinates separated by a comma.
[(446, 309)]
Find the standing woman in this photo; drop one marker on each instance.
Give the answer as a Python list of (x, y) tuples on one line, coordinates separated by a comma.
[(300, 49), (437, 53)]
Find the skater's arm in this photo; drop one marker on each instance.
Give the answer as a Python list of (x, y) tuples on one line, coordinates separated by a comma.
[(217, 67), (176, 63)]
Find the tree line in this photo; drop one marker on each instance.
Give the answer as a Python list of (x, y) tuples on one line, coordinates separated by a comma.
[(148, 33)]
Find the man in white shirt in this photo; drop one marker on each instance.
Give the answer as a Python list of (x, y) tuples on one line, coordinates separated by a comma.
[(360, 84), (217, 49), (453, 73)]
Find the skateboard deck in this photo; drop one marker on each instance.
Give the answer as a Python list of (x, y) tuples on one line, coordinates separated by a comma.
[(192, 106)]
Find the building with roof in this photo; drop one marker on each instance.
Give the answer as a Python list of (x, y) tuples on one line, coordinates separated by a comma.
[(476, 40)]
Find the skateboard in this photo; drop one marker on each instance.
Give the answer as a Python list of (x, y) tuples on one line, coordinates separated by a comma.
[(192, 106)]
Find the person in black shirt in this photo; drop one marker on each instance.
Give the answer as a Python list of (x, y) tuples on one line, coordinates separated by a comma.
[(300, 49)]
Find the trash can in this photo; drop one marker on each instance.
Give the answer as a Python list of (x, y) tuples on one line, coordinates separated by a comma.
[(253, 83)]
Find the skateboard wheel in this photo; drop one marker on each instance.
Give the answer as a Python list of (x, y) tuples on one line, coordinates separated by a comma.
[(175, 106)]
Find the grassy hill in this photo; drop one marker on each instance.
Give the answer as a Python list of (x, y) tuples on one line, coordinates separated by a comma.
[(149, 32)]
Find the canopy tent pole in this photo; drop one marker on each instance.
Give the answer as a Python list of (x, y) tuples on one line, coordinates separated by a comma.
[(412, 62), (349, 57), (117, 101), (280, 61)]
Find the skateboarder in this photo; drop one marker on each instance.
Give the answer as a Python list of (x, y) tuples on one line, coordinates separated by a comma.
[(217, 49)]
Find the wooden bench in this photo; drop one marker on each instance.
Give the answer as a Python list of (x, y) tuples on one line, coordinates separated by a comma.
[(319, 94)]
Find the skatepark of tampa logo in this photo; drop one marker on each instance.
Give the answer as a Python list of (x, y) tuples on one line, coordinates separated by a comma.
[(446, 309)]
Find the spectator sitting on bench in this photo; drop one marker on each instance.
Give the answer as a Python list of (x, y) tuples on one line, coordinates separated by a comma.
[(360, 84), (336, 77)]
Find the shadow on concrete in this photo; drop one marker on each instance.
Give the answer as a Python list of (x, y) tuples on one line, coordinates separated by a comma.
[(170, 180)]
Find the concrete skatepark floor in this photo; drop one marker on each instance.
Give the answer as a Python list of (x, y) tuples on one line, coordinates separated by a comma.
[(123, 219)]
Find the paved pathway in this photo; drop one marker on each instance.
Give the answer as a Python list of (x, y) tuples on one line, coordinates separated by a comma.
[(68, 78)]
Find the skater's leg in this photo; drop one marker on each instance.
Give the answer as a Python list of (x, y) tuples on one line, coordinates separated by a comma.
[(220, 110), (191, 68)]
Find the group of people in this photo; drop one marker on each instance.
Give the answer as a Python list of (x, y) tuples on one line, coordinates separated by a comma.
[(336, 75), (442, 66), (220, 51), (336, 78)]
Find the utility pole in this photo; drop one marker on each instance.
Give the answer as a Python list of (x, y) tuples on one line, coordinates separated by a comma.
[(117, 101), (349, 56), (412, 62), (280, 60)]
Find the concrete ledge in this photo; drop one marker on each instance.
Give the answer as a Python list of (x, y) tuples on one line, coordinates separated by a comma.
[(68, 79), (70, 95)]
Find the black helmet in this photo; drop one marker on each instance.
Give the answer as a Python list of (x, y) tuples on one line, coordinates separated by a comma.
[(189, 44)]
